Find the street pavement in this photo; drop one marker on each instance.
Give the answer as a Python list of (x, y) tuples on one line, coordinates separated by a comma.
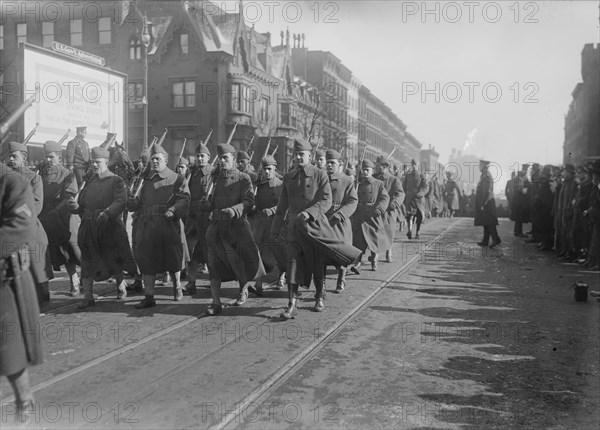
[(448, 335)]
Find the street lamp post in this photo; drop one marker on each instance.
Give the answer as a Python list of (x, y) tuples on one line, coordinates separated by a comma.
[(147, 42)]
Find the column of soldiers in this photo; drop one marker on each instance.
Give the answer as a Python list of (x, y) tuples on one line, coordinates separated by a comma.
[(563, 207)]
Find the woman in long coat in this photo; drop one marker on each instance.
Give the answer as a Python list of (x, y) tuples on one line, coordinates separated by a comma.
[(485, 207)]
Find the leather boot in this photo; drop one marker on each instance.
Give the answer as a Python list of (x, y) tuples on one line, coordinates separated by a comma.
[(177, 290), (192, 269), (148, 302), (43, 292), (87, 285), (291, 310), (136, 286), (388, 256), (280, 282)]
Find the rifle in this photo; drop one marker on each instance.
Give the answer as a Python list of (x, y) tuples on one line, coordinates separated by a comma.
[(212, 184), (62, 139), (357, 180), (162, 138), (208, 137), (261, 165), (250, 144), (275, 150), (314, 154), (393, 150), (182, 148), (31, 133), (6, 125)]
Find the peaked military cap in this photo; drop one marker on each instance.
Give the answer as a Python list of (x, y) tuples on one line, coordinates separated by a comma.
[(301, 145), (243, 155), (225, 148), (367, 163), (183, 162), (202, 149), (157, 149), (82, 128), (319, 153), (99, 152), (332, 154), (52, 146), (16, 146), (484, 162), (269, 160)]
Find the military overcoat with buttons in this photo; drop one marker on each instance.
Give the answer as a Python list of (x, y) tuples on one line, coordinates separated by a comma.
[(395, 191), (197, 220), (267, 196), (368, 226)]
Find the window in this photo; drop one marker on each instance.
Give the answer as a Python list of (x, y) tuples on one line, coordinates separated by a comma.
[(184, 44), (264, 109), (21, 33), (47, 34), (234, 97), (287, 115), (135, 92), (76, 33), (249, 98), (1, 37), (135, 49), (184, 94), (104, 30)]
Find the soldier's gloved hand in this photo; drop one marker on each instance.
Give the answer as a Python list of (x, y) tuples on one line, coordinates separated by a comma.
[(304, 216), (169, 214), (204, 205), (336, 219), (103, 217), (378, 212), (228, 213), (73, 205)]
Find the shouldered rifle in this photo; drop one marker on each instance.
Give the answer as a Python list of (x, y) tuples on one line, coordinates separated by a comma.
[(31, 133), (208, 137), (391, 153), (261, 165), (162, 138), (62, 139), (357, 180), (182, 149), (212, 183), (6, 125)]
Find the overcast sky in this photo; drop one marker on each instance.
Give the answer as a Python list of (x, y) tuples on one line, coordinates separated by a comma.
[(529, 51)]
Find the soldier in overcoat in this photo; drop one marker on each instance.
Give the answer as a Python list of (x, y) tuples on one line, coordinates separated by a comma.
[(344, 203), (41, 268), (305, 198), (320, 159), (243, 165), (485, 206), (416, 188), (395, 191), (452, 194), (593, 213), (163, 200), (78, 154), (232, 251), (368, 225), (59, 186), (268, 189), (102, 236), (566, 206), (521, 201), (542, 205), (197, 220), (580, 228), (509, 192), (20, 344)]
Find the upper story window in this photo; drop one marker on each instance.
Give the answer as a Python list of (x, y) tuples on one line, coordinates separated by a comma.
[(287, 114), (184, 44), (21, 33), (184, 94), (76, 32), (47, 34), (104, 30), (135, 49), (234, 97)]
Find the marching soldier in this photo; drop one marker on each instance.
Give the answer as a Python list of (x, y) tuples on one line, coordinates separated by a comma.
[(232, 252), (59, 186), (20, 344), (452, 194), (320, 159), (78, 154), (368, 225), (182, 167), (102, 236), (41, 269), (344, 203), (393, 186), (485, 206), (164, 199), (197, 220), (415, 186), (268, 190), (244, 166)]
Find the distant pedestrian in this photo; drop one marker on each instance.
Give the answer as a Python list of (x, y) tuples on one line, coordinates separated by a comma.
[(485, 207)]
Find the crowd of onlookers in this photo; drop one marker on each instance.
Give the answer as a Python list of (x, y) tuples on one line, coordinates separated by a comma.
[(563, 206)]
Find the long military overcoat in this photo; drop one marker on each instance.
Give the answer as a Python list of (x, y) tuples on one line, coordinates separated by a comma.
[(484, 197), (416, 187), (197, 220), (267, 196), (396, 193), (368, 226)]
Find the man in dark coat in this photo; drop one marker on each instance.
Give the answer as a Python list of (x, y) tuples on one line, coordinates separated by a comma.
[(182, 167), (580, 228), (244, 166), (59, 186), (267, 191), (368, 224), (521, 201), (509, 192), (533, 190), (163, 200), (452, 194), (102, 236), (344, 203), (393, 186), (567, 195), (320, 159), (20, 344), (78, 154), (197, 220), (303, 203), (593, 213), (232, 251), (542, 205), (485, 206), (41, 268), (415, 186)]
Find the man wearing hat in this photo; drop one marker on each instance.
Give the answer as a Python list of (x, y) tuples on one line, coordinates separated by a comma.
[(182, 167), (533, 189), (368, 225), (393, 186), (78, 154), (566, 197), (320, 159), (344, 203), (197, 220), (268, 189), (102, 236), (109, 140), (415, 186), (41, 269), (59, 186), (521, 200), (593, 213), (163, 200), (244, 166), (452, 194), (232, 251), (542, 206), (485, 206), (581, 230)]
